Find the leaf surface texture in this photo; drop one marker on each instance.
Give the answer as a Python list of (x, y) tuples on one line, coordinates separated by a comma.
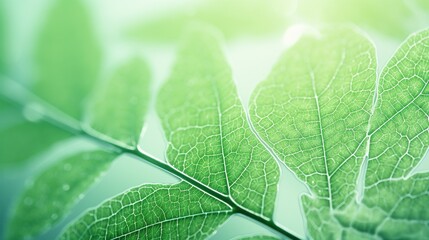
[(353, 146), (177, 211), (209, 137)]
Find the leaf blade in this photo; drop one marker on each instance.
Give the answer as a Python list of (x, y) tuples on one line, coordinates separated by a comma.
[(182, 209), (399, 127), (314, 113), (207, 129), (119, 108), (54, 191), (389, 189)]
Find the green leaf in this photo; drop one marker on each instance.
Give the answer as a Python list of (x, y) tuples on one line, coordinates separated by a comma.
[(67, 57), (119, 108), (332, 133), (22, 141), (54, 191), (313, 110), (209, 137), (153, 211), (233, 18)]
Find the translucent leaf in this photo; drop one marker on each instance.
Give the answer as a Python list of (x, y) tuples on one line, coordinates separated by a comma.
[(313, 110), (67, 57), (119, 108), (342, 128), (177, 211), (54, 191), (399, 128), (208, 135)]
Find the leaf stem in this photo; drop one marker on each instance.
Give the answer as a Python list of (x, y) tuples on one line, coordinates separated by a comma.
[(79, 131)]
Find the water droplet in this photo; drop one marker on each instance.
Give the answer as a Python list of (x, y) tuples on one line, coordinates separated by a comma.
[(66, 187), (54, 216), (81, 196)]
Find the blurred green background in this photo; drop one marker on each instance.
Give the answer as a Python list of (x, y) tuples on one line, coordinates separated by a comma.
[(63, 49)]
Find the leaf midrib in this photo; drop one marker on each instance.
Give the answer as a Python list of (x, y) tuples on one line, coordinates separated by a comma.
[(79, 131)]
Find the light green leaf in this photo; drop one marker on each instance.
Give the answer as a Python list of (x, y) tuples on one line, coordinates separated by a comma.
[(233, 18), (67, 57), (177, 211), (329, 136), (119, 108), (313, 110), (399, 128), (208, 134), (22, 141), (54, 191)]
